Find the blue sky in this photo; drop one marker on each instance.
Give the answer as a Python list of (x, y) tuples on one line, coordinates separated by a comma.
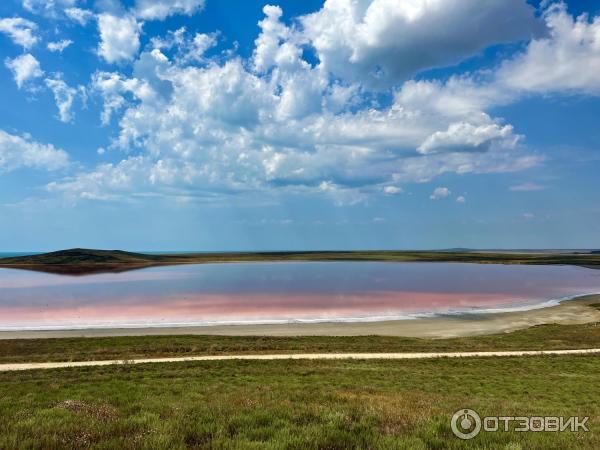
[(230, 125)]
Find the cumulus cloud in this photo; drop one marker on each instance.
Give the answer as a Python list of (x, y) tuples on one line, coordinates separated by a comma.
[(104, 183), (275, 122), (439, 193), (392, 190), (79, 15), (64, 95), (567, 60), (267, 45), (24, 68), (119, 37), (20, 30), (280, 122), (468, 137), (114, 89), (22, 151), (461, 199), (384, 42), (188, 48), (161, 9), (200, 44), (136, 176), (50, 8), (59, 46)]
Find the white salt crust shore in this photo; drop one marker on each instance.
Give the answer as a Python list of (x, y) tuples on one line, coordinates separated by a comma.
[(455, 324)]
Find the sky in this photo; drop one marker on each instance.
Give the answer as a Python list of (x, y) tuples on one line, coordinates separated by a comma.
[(218, 125)]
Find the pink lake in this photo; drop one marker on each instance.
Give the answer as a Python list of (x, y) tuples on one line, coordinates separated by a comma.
[(211, 294)]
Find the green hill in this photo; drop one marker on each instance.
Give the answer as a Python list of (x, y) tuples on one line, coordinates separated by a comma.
[(82, 261), (82, 255)]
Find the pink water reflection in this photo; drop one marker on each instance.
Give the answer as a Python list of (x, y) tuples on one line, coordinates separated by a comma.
[(273, 293)]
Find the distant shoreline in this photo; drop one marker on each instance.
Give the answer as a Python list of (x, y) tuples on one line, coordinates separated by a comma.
[(88, 261), (570, 312)]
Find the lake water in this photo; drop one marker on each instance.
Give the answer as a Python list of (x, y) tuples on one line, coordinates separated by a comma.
[(211, 294)]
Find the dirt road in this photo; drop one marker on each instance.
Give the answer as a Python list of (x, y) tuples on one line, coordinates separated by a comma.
[(60, 365)]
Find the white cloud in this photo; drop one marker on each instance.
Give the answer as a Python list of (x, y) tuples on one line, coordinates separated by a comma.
[(50, 8), (199, 45), (191, 125), (392, 190), (526, 187), (464, 136), (24, 68), (79, 15), (235, 129), (461, 199), (341, 195), (189, 48), (20, 30), (459, 96), (59, 46), (64, 95), (439, 193), (567, 60), (276, 123), (267, 45), (161, 9), (102, 184), (114, 89), (22, 151), (135, 176), (382, 42), (119, 37)]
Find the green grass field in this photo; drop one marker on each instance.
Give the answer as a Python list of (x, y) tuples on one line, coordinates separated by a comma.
[(542, 337), (297, 404)]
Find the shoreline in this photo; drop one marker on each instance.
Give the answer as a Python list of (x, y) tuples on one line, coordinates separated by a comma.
[(79, 261), (568, 312)]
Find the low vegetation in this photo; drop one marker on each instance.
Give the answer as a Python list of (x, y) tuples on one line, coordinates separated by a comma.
[(542, 337), (297, 404)]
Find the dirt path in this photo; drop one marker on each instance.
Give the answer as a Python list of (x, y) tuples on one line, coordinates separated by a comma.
[(58, 365)]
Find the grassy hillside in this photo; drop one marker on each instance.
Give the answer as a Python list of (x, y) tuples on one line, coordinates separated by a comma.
[(542, 337), (82, 261), (297, 404)]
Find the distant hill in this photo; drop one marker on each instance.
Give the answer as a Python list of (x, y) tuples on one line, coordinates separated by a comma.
[(81, 261), (82, 255)]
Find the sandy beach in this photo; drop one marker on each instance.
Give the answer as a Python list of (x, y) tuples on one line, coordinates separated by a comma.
[(575, 311)]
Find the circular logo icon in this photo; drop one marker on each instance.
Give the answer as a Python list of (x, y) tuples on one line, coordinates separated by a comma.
[(466, 424)]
